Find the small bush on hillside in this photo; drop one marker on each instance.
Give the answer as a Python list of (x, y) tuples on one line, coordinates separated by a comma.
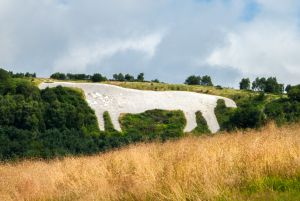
[(248, 116), (283, 111)]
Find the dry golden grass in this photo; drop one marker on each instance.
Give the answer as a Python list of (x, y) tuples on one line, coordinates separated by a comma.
[(193, 168)]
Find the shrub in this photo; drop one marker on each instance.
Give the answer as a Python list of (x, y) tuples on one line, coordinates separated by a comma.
[(283, 111), (248, 116)]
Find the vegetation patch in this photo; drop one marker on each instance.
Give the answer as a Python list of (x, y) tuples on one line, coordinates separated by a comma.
[(202, 127), (154, 124), (277, 188)]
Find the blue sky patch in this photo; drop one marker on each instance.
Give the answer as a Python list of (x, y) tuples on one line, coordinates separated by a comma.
[(251, 9)]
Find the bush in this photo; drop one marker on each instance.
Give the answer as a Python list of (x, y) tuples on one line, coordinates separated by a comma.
[(248, 116), (283, 111)]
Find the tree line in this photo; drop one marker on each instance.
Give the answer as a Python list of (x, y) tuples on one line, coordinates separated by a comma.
[(198, 80), (267, 85), (97, 77)]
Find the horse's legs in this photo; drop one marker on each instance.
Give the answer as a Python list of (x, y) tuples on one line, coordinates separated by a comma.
[(191, 122), (211, 120), (115, 120)]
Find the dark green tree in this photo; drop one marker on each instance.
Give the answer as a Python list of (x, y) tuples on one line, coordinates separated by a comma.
[(193, 80), (245, 84), (294, 93), (140, 77), (129, 78), (272, 86), (269, 85), (58, 76), (97, 77), (206, 81), (288, 87), (119, 77), (4, 75), (259, 84), (155, 81)]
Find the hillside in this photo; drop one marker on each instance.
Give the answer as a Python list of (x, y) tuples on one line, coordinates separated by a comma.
[(55, 122), (118, 101), (252, 165)]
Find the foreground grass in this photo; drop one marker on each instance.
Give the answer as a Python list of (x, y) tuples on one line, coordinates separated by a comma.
[(253, 165)]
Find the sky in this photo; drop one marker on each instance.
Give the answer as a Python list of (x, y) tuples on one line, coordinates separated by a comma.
[(165, 39)]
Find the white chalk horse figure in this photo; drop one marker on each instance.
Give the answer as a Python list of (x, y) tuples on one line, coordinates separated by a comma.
[(117, 100)]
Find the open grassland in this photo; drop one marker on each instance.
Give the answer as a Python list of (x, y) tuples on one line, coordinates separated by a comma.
[(181, 87), (250, 165)]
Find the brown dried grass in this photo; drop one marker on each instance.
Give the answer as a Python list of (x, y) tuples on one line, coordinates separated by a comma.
[(192, 168)]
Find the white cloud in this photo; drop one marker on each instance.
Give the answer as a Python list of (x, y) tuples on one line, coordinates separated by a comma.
[(263, 47), (78, 58)]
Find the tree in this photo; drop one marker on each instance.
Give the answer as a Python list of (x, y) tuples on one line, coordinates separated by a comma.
[(269, 85), (129, 78), (245, 84), (294, 93), (58, 76), (78, 76), (259, 84), (288, 87), (206, 81), (272, 86), (119, 77), (248, 116), (193, 80), (97, 77), (4, 75), (155, 80), (140, 77)]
